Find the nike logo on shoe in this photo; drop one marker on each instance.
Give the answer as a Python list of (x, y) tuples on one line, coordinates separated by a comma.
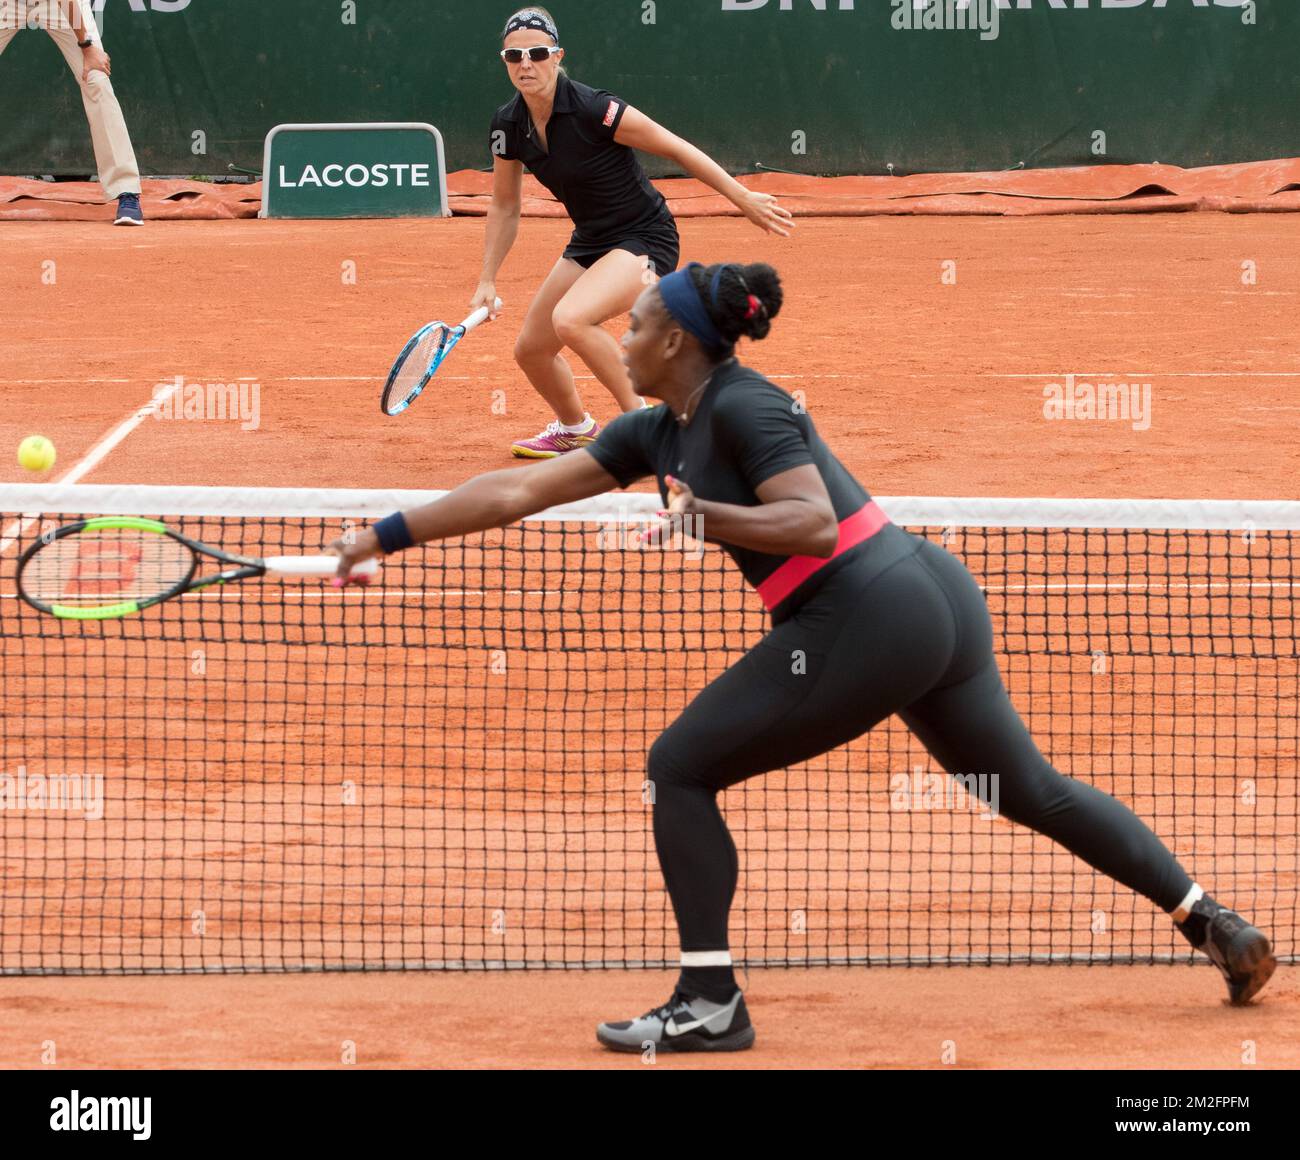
[(672, 1027)]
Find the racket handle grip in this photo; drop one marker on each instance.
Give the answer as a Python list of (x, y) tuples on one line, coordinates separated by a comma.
[(315, 566), (480, 316)]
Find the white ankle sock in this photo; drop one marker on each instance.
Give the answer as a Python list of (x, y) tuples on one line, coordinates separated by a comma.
[(706, 958), (578, 428), (1184, 908)]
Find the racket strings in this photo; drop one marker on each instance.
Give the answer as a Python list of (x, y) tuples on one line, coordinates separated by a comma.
[(424, 354), (106, 567)]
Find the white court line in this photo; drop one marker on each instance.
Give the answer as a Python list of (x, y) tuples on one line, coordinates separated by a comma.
[(370, 593), (1005, 589), (1155, 589), (92, 459), (1049, 375), (1152, 375)]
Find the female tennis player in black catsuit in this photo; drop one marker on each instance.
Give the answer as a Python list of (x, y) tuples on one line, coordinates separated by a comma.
[(887, 622), (578, 142)]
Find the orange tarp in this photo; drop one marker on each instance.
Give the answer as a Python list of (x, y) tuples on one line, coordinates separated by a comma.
[(81, 201), (1255, 187)]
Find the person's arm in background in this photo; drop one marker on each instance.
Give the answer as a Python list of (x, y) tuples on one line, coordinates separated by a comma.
[(92, 55), (637, 131), (502, 228)]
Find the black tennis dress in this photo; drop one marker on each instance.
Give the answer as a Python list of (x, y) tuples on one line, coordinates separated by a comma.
[(892, 623), (600, 182)]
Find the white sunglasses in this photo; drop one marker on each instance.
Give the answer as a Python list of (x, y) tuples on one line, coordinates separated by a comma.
[(536, 55)]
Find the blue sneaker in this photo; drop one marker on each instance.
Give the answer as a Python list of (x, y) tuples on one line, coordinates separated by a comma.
[(129, 212)]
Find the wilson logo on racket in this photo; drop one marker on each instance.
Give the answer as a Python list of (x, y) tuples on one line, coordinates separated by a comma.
[(116, 566), (421, 357)]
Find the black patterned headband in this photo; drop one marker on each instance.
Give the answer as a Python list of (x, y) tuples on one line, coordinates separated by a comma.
[(537, 21)]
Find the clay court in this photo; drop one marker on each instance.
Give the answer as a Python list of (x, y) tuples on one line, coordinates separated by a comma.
[(923, 387)]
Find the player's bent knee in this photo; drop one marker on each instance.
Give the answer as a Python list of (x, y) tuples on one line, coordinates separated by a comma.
[(569, 326), (666, 764), (530, 351)]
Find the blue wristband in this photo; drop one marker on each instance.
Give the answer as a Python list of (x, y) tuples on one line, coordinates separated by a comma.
[(394, 535)]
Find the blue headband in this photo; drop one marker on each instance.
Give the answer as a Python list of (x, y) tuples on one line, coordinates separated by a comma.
[(531, 18), (682, 300)]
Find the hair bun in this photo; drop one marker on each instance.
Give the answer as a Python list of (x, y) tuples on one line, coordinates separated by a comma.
[(765, 285), (741, 300)]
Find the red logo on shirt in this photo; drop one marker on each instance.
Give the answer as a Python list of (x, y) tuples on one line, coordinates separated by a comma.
[(611, 113)]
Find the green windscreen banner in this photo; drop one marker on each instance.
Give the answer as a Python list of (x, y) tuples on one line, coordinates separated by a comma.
[(809, 86), (354, 171)]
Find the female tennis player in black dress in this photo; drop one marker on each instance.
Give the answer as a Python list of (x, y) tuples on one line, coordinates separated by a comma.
[(888, 623), (578, 142)]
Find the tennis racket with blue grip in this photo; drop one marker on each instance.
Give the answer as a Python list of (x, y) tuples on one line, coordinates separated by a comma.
[(422, 356), (115, 566)]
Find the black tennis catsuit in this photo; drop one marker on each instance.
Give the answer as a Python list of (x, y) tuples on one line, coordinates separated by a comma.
[(893, 625), (600, 182)]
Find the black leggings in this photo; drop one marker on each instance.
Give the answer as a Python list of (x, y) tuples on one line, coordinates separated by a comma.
[(915, 639)]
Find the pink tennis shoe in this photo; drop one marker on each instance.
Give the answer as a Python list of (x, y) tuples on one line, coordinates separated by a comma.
[(554, 441)]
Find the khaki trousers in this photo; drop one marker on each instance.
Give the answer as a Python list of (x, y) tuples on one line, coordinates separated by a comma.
[(114, 156)]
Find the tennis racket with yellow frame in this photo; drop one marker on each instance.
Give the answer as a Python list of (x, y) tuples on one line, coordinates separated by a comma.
[(113, 567)]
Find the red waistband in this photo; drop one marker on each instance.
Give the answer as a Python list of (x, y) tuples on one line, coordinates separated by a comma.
[(861, 525)]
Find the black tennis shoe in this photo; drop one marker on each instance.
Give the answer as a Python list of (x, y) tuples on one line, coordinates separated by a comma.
[(1239, 950), (684, 1024)]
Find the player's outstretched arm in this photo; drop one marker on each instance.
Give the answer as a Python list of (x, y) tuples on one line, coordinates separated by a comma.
[(637, 131), (492, 500)]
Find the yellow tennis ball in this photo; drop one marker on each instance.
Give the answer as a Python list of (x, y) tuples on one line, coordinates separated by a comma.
[(36, 453)]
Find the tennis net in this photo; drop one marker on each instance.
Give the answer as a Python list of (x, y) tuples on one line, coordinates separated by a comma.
[(447, 770)]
